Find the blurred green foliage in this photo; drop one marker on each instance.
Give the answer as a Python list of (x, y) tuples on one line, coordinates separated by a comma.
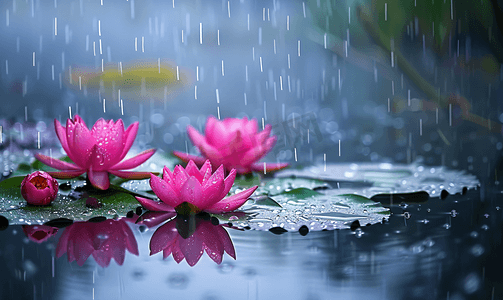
[(432, 17)]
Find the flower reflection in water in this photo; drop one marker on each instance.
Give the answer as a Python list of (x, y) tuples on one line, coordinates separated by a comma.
[(188, 237), (39, 233), (103, 240)]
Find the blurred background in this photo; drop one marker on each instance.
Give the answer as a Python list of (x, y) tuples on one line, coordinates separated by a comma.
[(395, 82)]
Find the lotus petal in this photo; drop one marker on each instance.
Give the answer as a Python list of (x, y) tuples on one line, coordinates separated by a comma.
[(231, 203), (98, 179), (66, 174), (129, 136), (270, 167), (56, 163), (131, 175), (135, 161), (165, 192), (154, 205)]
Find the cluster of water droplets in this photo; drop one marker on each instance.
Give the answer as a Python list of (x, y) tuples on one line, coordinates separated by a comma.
[(389, 178), (316, 212)]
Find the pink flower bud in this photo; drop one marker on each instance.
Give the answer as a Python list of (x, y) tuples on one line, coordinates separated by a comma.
[(39, 188), (39, 233)]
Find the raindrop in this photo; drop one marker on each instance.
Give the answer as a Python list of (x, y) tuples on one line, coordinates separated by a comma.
[(428, 242), (138, 275), (471, 283), (178, 281), (225, 268), (359, 233), (417, 249), (477, 250), (403, 205), (102, 236)]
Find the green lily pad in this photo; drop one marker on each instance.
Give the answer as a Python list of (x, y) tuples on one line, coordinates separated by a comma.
[(22, 169), (246, 181), (115, 202), (265, 202), (301, 193), (358, 199), (278, 186), (317, 211)]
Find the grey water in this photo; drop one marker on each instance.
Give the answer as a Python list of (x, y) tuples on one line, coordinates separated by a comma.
[(441, 249)]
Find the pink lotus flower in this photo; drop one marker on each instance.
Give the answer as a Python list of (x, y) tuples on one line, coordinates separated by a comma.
[(39, 188), (104, 241), (169, 238), (234, 143), (98, 151), (199, 190), (39, 233)]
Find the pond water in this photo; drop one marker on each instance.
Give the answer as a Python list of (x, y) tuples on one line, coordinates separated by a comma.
[(440, 249)]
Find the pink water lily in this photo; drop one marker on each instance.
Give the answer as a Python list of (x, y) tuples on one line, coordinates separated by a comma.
[(200, 189), (234, 143), (98, 151)]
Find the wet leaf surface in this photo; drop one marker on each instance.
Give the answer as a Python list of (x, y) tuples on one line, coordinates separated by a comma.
[(115, 202), (304, 202), (383, 178)]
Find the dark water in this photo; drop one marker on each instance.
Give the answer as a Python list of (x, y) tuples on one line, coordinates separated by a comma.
[(441, 249)]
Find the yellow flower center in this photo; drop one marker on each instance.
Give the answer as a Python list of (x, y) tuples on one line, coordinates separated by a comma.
[(39, 182)]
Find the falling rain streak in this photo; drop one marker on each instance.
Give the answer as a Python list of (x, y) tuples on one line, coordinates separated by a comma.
[(201, 33), (450, 114)]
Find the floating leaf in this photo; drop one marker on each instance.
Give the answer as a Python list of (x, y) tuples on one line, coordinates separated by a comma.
[(385, 178), (358, 199), (116, 202), (301, 193), (246, 181), (22, 169), (264, 202), (312, 211), (417, 197), (277, 186)]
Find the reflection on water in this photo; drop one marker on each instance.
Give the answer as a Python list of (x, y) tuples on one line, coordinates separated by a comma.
[(439, 249), (103, 240), (189, 237)]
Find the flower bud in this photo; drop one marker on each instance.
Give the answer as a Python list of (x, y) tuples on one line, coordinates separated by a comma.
[(39, 188)]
